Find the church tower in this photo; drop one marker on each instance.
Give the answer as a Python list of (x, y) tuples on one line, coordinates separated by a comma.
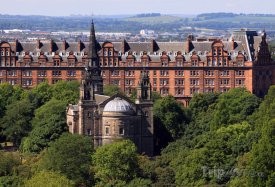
[(145, 104), (91, 84), (92, 68)]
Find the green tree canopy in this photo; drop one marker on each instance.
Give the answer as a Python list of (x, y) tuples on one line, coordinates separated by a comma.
[(16, 122), (116, 161), (49, 179), (8, 163), (111, 90), (71, 156), (171, 114), (234, 107), (48, 124)]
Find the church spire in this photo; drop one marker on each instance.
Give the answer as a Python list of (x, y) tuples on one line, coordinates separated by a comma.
[(92, 82), (93, 43)]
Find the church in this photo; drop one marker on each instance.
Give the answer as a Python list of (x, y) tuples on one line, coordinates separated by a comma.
[(106, 119)]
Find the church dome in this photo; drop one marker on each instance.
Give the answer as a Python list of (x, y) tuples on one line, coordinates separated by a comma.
[(118, 105)]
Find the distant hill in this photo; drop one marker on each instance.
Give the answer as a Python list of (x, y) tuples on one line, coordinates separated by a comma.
[(154, 19), (134, 23)]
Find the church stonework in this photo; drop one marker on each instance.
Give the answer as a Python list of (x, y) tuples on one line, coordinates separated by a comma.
[(107, 119)]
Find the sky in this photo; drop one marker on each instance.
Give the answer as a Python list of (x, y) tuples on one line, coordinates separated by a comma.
[(124, 7)]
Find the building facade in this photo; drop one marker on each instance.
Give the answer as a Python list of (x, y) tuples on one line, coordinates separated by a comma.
[(106, 119), (180, 69)]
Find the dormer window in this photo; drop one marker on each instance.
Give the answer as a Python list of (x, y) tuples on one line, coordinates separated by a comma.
[(105, 52), (195, 63)]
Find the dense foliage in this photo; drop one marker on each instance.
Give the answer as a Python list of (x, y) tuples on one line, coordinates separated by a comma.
[(220, 139)]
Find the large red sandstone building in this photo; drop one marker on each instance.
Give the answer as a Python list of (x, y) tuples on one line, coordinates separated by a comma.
[(177, 68)]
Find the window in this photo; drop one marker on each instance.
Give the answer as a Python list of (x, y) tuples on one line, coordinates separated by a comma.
[(179, 63), (154, 82), (179, 82), (194, 90), (115, 82), (195, 63), (12, 81), (164, 91), (56, 73), (224, 81), (27, 73), (224, 73), (12, 73), (121, 130), (239, 73), (107, 130), (164, 63), (71, 73), (209, 82), (194, 73), (27, 82), (209, 73), (56, 63), (240, 82), (129, 82), (155, 73), (115, 73), (194, 82), (164, 82), (179, 91), (41, 74), (164, 73), (179, 73), (105, 52), (130, 73), (110, 53)]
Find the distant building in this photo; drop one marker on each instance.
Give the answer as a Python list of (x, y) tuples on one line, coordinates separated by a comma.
[(106, 119), (181, 69), (146, 32)]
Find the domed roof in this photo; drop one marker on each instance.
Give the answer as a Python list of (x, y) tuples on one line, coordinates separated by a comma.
[(118, 105)]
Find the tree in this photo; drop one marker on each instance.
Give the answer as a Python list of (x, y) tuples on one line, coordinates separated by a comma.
[(71, 156), (155, 96), (262, 161), (67, 91), (171, 114), (48, 124), (116, 161), (8, 94), (8, 163), (49, 179), (234, 107), (11, 181), (111, 90), (16, 123)]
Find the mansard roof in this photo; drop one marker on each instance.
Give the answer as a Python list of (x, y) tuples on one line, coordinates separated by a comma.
[(247, 42)]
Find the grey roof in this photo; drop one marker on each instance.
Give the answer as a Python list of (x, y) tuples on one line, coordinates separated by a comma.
[(101, 98), (245, 41), (118, 105)]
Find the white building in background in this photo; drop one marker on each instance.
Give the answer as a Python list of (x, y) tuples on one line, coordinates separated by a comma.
[(145, 32)]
